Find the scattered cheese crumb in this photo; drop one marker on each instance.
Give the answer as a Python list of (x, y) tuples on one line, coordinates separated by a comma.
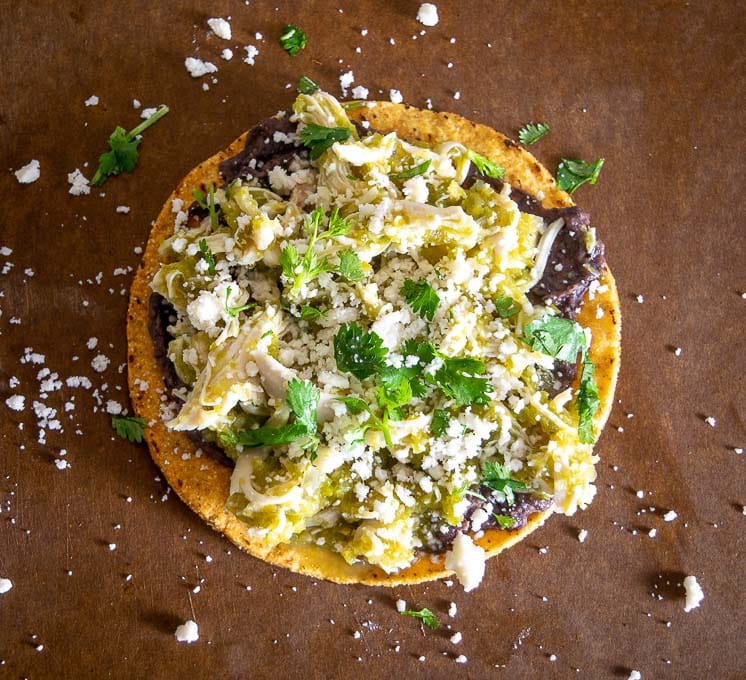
[(123, 209), (251, 55), (738, 450), (146, 113), (670, 516), (227, 54), (29, 173), (452, 610), (677, 351), (652, 533), (61, 464), (78, 183), (136, 104), (427, 15), (467, 560), (91, 101), (457, 95), (711, 421), (345, 80), (17, 402), (395, 96), (694, 593), (582, 535), (456, 638), (187, 632), (100, 362), (359, 92), (198, 68), (635, 675), (461, 659), (640, 299), (5, 585), (112, 547), (220, 27), (401, 606)]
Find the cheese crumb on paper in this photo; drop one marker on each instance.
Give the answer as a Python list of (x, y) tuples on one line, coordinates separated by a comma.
[(220, 27), (694, 593), (198, 68), (78, 183), (467, 561), (29, 173), (5, 585), (187, 632), (427, 15)]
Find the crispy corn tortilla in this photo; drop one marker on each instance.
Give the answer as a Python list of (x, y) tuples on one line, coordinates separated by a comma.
[(203, 483)]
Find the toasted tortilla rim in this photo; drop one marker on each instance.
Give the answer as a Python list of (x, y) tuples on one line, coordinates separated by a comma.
[(203, 483)]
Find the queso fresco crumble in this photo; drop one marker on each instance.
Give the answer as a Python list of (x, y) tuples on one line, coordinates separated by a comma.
[(358, 337)]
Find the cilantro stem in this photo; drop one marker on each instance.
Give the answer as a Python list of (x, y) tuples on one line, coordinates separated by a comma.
[(162, 111)]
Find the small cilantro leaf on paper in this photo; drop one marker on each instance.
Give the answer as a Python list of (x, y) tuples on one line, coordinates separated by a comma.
[(357, 352), (532, 133), (556, 336), (123, 149), (506, 306), (414, 171), (497, 477), (208, 256), (421, 297), (131, 428), (306, 85), (572, 173), (587, 402), (485, 166), (319, 138), (293, 39), (424, 615)]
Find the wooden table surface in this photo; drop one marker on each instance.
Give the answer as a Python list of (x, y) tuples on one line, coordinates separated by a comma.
[(656, 88)]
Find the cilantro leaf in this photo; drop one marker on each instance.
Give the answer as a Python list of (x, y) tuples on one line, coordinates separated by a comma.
[(421, 297), (319, 138), (441, 420), (485, 166), (200, 198), (415, 170), (131, 428), (349, 265), (357, 352), (289, 261), (208, 256), (347, 106), (303, 398), (532, 133), (354, 405), (587, 402), (572, 173), (497, 477), (424, 615), (235, 310), (306, 85), (506, 306), (465, 389), (308, 313), (123, 153), (338, 226), (504, 521), (212, 208), (556, 336), (293, 39)]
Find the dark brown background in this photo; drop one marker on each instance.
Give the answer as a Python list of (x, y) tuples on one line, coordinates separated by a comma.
[(656, 88)]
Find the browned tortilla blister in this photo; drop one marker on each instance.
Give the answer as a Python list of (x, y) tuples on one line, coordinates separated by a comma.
[(203, 483)]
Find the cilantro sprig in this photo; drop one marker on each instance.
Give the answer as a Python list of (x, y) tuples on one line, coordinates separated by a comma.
[(235, 310), (357, 352), (293, 39), (485, 166), (564, 339), (414, 171), (131, 428), (319, 138), (573, 172), (303, 399), (497, 477), (421, 297), (208, 256), (303, 270), (506, 306), (424, 615), (440, 422), (123, 153), (307, 86), (532, 133)]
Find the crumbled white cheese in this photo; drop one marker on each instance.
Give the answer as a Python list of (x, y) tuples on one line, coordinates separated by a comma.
[(635, 675), (29, 173), (91, 101), (136, 104), (582, 535), (427, 15), (456, 638), (711, 421), (123, 209), (652, 533), (360, 92), (187, 632), (461, 659), (452, 609), (251, 54), (395, 96), (220, 27), (677, 351), (640, 299), (401, 606), (670, 516), (467, 561), (694, 593), (227, 54), (198, 68), (345, 80), (100, 362), (78, 183), (148, 112), (17, 402), (5, 585)]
